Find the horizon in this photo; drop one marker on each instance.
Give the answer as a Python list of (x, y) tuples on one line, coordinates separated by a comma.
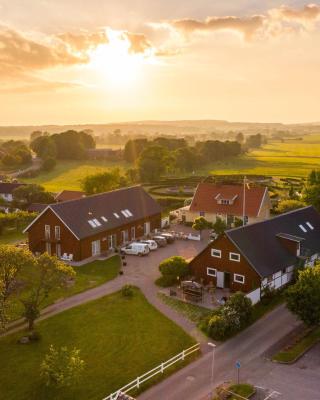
[(66, 65)]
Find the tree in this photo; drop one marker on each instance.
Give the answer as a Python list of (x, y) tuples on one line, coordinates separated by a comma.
[(238, 222), (103, 181), (151, 163), (173, 268), (200, 224), (242, 306), (311, 195), (48, 164), (240, 137), (48, 273), (61, 367), (25, 195), (254, 141), (303, 298), (12, 262), (219, 226), (186, 159), (133, 149), (289, 205)]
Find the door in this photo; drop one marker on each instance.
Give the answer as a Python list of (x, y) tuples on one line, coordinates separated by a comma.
[(227, 279), (146, 227), (58, 250), (95, 246), (220, 279), (133, 233)]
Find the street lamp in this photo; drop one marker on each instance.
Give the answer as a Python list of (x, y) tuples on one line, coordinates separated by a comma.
[(212, 364)]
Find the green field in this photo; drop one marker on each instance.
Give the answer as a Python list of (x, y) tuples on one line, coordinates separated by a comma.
[(68, 174), (293, 158), (12, 236), (119, 339)]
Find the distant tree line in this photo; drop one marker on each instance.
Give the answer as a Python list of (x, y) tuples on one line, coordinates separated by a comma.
[(69, 145), (169, 155), (14, 153)]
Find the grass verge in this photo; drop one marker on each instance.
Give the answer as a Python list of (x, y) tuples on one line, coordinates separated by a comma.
[(234, 391), (191, 311), (119, 339), (298, 346)]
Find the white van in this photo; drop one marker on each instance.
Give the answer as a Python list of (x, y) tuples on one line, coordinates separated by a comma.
[(136, 248)]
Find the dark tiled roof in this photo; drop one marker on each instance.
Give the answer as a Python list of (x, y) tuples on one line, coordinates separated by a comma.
[(8, 187), (260, 245), (76, 213), (37, 207), (206, 195), (67, 195)]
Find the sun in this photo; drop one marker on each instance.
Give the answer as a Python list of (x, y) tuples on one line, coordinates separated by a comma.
[(114, 61)]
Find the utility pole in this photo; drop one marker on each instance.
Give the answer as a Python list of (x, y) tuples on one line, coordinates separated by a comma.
[(213, 346)]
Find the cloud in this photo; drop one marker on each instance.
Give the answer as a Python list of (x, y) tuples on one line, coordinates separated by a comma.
[(246, 26), (84, 40), (19, 54), (310, 12), (138, 42)]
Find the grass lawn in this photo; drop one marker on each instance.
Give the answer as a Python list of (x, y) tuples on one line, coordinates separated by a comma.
[(292, 352), (191, 311), (88, 276), (11, 236), (260, 309), (244, 390), (119, 339), (68, 174)]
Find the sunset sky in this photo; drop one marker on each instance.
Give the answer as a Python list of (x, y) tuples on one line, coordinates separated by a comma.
[(100, 61)]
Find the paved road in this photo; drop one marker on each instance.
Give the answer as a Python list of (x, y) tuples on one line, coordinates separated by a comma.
[(193, 382)]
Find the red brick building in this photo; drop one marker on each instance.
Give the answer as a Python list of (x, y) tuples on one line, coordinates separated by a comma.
[(260, 254), (95, 224)]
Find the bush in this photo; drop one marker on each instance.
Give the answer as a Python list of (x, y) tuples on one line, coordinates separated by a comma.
[(230, 318), (127, 291), (34, 336), (173, 268), (166, 281)]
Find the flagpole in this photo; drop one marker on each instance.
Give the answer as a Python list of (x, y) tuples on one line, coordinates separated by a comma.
[(244, 201)]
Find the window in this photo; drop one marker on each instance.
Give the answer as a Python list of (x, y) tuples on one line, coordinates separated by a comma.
[(302, 228), (116, 215), (234, 257), (124, 212), (104, 219), (48, 248), (133, 232), (47, 231), (57, 232), (98, 223), (310, 226), (129, 213), (202, 213), (216, 253), (211, 272), (238, 278)]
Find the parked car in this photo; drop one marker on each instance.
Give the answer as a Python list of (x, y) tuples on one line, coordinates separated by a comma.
[(151, 243), (136, 248), (168, 236), (161, 240)]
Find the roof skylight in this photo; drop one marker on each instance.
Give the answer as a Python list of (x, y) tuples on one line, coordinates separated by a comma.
[(104, 219), (302, 228), (124, 212), (116, 215), (310, 226), (92, 223), (129, 213), (98, 223)]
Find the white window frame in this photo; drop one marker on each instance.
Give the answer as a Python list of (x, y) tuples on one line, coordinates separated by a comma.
[(242, 281), (133, 233), (212, 274), (48, 248), (47, 231), (234, 254), (57, 232), (216, 255)]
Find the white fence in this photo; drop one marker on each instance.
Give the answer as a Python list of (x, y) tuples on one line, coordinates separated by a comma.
[(254, 296), (153, 372)]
